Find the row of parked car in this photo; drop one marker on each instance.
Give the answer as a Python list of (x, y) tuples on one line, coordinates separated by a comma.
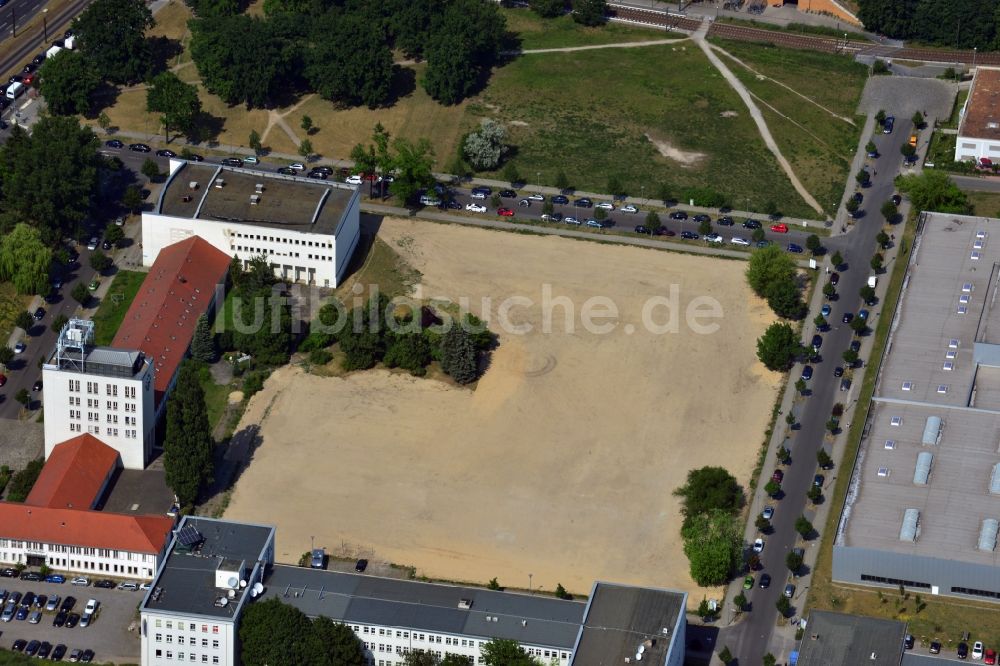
[(962, 651), (45, 650)]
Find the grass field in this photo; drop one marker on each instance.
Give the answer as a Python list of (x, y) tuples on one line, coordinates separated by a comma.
[(942, 618), (985, 203), (112, 309), (819, 145), (956, 110), (533, 32)]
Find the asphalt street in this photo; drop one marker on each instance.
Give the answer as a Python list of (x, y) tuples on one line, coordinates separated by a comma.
[(974, 184), (749, 639)]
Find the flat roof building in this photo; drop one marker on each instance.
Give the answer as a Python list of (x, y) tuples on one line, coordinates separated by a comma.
[(923, 507), (306, 228), (838, 639), (390, 616), (979, 128)]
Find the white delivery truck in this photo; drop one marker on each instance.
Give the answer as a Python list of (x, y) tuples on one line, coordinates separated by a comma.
[(872, 281), (15, 90), (52, 51), (70, 42)]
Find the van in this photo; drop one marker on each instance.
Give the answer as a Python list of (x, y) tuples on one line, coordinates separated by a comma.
[(52, 51), (428, 200), (15, 90)]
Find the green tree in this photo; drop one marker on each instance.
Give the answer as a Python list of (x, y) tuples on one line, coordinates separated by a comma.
[(202, 343), (254, 142), (867, 293), (783, 455), (187, 445), (176, 101), (562, 182), (725, 656), (24, 398), (762, 524), (813, 244), (933, 190), (820, 322), (58, 323), (768, 659), (276, 634), (306, 124), (57, 163), (793, 561), (653, 222), (908, 151), (850, 357), (349, 61), (829, 290), (852, 206), (68, 81), (99, 261), (741, 601), (589, 12), (871, 148), (832, 425), (25, 260), (880, 117), (815, 494), (150, 169), (804, 527), (801, 386), (837, 260), (80, 293), (548, 8), (561, 592), (493, 584), (859, 326), (485, 147), (713, 544), (862, 176), (772, 488), (365, 160), (111, 35), (824, 459), (876, 262), (505, 652), (785, 300), (918, 119), (409, 351), (783, 605), (778, 347), (132, 199), (458, 355), (6, 355), (305, 148), (600, 214), (24, 320), (709, 489), (340, 644), (103, 120), (511, 174), (704, 227), (461, 50), (245, 60), (757, 235), (412, 165), (114, 235), (769, 266)]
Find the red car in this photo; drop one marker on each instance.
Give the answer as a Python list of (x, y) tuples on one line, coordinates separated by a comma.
[(990, 657), (778, 476), (779, 228), (3, 379), (505, 212)]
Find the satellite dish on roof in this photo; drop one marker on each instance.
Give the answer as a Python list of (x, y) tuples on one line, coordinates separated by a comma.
[(253, 593), (233, 582), (243, 583), (258, 587)]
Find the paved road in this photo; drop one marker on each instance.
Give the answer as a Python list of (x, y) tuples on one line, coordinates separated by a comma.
[(973, 184), (749, 639)]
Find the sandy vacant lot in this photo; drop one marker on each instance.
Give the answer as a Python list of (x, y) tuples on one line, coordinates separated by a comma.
[(562, 461)]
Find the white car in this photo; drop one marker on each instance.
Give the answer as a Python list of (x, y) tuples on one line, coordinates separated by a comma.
[(629, 208), (251, 160), (536, 197), (129, 587), (92, 604), (477, 195), (81, 581), (19, 348), (92, 244), (475, 208), (739, 240), (296, 166), (977, 650), (571, 220), (353, 179), (758, 545), (714, 238), (768, 512), (606, 205)]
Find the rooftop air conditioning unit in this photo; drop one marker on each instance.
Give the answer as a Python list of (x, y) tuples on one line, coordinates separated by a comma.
[(193, 185), (220, 183)]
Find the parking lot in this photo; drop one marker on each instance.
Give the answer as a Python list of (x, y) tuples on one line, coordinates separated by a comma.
[(109, 635)]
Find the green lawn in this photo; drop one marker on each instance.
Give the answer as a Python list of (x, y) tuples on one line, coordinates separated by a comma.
[(116, 302), (956, 110), (533, 32), (819, 146), (216, 396), (985, 203), (595, 115)]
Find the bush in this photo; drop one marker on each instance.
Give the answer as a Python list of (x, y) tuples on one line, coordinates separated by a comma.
[(320, 357), (22, 482), (253, 382)]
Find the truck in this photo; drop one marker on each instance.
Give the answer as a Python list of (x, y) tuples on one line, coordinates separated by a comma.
[(70, 42), (52, 51), (872, 281), (15, 90)]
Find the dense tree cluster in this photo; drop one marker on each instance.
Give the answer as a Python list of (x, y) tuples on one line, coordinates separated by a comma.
[(966, 24), (261, 318), (710, 501), (187, 445), (934, 191), (68, 80), (275, 634), (342, 49), (111, 35), (771, 275)]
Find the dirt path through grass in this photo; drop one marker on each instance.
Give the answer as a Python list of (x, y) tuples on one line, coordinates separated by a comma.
[(758, 118)]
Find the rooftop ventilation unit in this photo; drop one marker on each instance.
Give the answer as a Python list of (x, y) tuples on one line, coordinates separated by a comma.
[(995, 480), (193, 185), (890, 444), (465, 604), (259, 187), (923, 469), (932, 431), (219, 183), (254, 199), (911, 525), (988, 535)]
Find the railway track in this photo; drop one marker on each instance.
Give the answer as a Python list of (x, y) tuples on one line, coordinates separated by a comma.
[(665, 20)]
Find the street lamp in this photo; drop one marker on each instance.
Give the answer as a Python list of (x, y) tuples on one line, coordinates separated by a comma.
[(975, 49)]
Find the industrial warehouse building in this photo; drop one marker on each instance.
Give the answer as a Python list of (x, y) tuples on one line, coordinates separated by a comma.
[(923, 505), (307, 229)]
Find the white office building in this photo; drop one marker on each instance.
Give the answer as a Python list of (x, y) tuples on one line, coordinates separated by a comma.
[(306, 228), (214, 568), (103, 391), (979, 129)]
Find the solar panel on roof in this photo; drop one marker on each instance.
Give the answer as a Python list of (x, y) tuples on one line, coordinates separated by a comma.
[(189, 536)]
